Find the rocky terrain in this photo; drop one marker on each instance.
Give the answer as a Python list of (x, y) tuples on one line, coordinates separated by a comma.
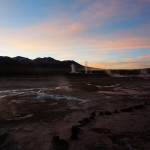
[(75, 113)]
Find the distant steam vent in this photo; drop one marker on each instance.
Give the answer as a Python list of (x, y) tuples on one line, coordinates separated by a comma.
[(85, 67), (73, 69)]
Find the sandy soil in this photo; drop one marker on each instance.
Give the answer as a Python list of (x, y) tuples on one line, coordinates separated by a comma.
[(34, 110)]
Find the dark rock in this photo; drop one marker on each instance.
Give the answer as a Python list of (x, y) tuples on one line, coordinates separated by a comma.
[(138, 106), (74, 136), (118, 147), (55, 139), (3, 137), (116, 111), (86, 120), (74, 132), (82, 123), (146, 103), (64, 144), (116, 139), (107, 113), (101, 113), (75, 129), (91, 117), (101, 130), (93, 114), (59, 144), (101, 147), (129, 109)]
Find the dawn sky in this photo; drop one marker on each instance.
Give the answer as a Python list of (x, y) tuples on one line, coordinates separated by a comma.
[(106, 33)]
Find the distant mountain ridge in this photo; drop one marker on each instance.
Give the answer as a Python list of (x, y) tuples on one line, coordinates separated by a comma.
[(4, 60), (21, 66), (39, 66)]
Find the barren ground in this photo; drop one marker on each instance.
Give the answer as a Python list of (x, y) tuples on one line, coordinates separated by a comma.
[(33, 110)]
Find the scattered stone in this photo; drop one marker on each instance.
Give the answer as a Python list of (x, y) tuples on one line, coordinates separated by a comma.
[(116, 111), (59, 144), (93, 114), (101, 147), (3, 138), (64, 144), (91, 117), (74, 132), (107, 113), (116, 139), (81, 123), (56, 139), (118, 147), (74, 136), (86, 120), (129, 109), (146, 103), (101, 113), (138, 106), (101, 130), (75, 129)]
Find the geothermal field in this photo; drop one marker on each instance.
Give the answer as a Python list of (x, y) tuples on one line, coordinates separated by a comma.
[(75, 113)]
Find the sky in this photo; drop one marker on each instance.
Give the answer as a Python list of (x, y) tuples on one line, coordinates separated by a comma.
[(105, 33)]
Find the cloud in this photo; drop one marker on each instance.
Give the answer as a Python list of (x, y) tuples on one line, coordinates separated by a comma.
[(70, 33), (57, 27), (98, 12), (128, 63), (119, 43), (99, 9), (143, 58), (121, 65), (60, 36)]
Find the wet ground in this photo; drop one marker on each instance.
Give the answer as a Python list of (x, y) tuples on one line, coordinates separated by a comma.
[(33, 110)]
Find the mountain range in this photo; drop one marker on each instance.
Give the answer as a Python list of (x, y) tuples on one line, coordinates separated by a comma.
[(21, 66), (46, 61), (39, 66)]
